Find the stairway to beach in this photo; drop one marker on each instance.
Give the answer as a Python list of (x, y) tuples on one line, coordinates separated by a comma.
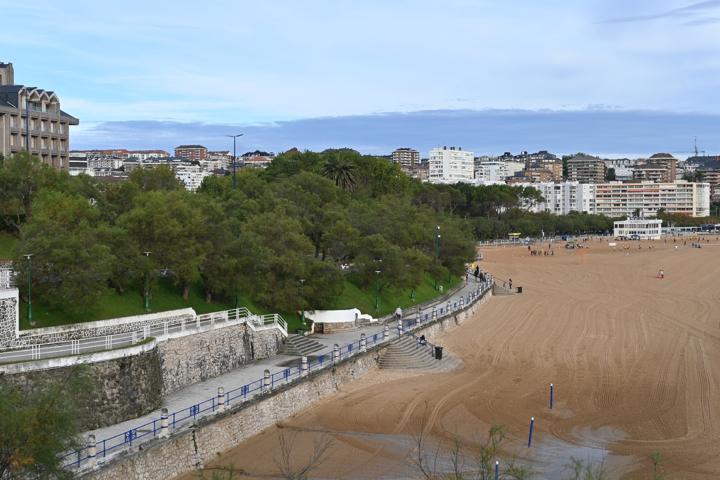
[(406, 354), (299, 345)]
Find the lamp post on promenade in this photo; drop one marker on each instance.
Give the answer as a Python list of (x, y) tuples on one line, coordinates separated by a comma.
[(28, 256), (377, 290), (437, 249), (234, 137), (302, 309), (147, 283)]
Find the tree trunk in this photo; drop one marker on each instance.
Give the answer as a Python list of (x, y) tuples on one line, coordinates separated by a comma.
[(186, 292), (208, 297)]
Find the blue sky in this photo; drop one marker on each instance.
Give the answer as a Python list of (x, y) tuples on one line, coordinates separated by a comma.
[(488, 75)]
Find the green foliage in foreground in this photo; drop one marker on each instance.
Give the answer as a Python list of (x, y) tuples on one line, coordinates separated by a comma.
[(37, 426)]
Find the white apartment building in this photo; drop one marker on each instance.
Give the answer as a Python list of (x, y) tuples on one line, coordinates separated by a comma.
[(451, 165), (490, 171), (191, 175), (645, 199), (562, 198)]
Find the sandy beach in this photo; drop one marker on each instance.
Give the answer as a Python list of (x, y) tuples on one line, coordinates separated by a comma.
[(635, 361)]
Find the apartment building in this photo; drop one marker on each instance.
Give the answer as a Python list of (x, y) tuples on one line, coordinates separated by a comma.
[(490, 171), (31, 120), (586, 169), (645, 199), (191, 152), (144, 155), (661, 167), (406, 158), (562, 198), (451, 165)]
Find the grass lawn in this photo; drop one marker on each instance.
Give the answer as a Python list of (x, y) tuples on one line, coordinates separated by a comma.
[(165, 296), (7, 245)]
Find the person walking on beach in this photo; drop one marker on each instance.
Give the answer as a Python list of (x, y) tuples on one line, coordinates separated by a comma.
[(510, 283)]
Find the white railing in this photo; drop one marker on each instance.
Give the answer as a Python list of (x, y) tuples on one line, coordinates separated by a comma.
[(6, 276), (160, 331)]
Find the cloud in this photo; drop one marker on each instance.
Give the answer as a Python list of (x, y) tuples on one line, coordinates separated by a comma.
[(593, 129), (693, 12)]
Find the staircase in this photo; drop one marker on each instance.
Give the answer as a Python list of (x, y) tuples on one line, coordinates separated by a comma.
[(299, 345), (407, 354)]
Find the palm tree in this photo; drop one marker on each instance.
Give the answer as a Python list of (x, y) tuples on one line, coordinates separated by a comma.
[(340, 170)]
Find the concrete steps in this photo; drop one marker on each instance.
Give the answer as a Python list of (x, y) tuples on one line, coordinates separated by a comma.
[(299, 345), (406, 354)]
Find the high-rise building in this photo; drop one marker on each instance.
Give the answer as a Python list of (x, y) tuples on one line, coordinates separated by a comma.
[(586, 169), (451, 165), (491, 171), (645, 199), (31, 120), (191, 152), (406, 158), (562, 198), (661, 167)]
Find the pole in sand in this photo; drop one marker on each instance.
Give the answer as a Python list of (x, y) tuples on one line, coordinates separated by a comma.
[(552, 395), (532, 424)]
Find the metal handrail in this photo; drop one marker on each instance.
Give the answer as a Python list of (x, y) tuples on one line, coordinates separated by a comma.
[(182, 417)]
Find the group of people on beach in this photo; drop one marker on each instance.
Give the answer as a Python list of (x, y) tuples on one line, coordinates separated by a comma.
[(542, 253)]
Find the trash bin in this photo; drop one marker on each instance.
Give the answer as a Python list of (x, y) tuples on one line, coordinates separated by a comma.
[(438, 353), (519, 289)]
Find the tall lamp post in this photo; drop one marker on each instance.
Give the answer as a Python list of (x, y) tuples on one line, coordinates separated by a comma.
[(377, 290), (302, 310), (147, 283), (437, 249), (234, 137), (28, 256)]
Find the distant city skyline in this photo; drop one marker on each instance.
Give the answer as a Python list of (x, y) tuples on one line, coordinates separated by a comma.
[(281, 65)]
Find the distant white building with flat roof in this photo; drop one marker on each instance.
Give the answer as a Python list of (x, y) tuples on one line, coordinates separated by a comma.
[(562, 198), (451, 165), (638, 228)]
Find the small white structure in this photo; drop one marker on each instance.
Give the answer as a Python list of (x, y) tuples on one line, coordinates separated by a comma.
[(331, 321), (638, 229)]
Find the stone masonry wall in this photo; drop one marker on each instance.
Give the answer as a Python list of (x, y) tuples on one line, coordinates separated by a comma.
[(100, 328), (194, 358), (181, 453), (126, 387), (8, 315)]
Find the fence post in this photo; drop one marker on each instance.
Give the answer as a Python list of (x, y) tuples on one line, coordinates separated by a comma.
[(221, 399), (165, 328), (164, 427), (434, 313), (91, 451), (304, 366), (197, 322), (363, 343), (266, 382), (146, 331), (336, 353), (449, 305), (462, 302), (134, 337), (418, 317), (386, 332)]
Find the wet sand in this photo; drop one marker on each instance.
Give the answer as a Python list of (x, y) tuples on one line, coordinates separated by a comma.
[(635, 361)]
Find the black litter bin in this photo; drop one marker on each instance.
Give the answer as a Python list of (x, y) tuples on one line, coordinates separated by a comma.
[(519, 289), (438, 353)]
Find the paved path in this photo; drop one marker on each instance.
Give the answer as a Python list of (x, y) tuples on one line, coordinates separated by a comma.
[(184, 400)]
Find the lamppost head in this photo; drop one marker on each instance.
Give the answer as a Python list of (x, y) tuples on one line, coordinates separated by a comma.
[(28, 255), (377, 272), (147, 254)]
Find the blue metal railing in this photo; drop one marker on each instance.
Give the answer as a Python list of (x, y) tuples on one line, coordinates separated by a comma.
[(188, 415)]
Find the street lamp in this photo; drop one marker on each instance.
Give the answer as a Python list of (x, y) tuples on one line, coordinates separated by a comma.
[(28, 256), (437, 249), (234, 137), (302, 309), (377, 290), (147, 284)]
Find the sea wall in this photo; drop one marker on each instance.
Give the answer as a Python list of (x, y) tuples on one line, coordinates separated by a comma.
[(189, 449)]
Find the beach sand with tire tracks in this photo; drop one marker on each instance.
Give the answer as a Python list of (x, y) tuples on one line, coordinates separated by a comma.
[(635, 361)]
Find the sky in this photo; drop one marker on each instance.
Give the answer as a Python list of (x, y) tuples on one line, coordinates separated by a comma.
[(615, 77)]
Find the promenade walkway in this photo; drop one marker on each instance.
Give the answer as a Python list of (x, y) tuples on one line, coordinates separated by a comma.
[(187, 401)]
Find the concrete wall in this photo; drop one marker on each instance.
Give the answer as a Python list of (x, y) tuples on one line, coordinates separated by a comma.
[(189, 449), (9, 316)]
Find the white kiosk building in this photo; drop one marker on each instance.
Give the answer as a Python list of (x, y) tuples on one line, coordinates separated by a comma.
[(638, 229)]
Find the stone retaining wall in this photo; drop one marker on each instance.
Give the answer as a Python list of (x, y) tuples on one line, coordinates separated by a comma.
[(187, 450), (135, 384)]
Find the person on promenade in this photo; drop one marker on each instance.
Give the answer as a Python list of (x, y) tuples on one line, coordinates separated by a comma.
[(422, 340), (398, 313)]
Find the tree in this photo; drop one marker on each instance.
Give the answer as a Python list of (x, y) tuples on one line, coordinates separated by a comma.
[(22, 177), (38, 426), (610, 175), (340, 169), (153, 179), (70, 263), (172, 226)]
